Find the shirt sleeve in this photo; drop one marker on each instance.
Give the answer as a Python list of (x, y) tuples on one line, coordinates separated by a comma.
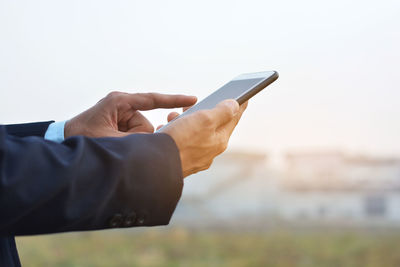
[(55, 132)]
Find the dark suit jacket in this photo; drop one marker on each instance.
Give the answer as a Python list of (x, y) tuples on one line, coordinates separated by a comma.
[(83, 183)]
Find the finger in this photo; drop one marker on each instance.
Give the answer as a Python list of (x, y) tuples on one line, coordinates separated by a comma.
[(159, 127), (242, 108), (186, 108), (230, 126), (137, 123), (244, 105), (172, 116), (224, 112), (147, 101)]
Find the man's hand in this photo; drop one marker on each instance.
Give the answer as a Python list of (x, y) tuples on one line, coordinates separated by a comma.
[(118, 114), (203, 135)]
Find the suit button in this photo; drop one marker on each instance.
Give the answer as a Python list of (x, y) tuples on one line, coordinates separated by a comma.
[(116, 221), (140, 220), (130, 220)]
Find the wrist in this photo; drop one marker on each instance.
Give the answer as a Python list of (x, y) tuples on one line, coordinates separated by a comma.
[(180, 152), (71, 128)]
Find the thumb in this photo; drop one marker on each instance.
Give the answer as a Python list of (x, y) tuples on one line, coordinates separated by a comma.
[(225, 111)]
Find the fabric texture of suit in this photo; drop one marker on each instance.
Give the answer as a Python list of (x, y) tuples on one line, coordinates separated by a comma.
[(83, 183)]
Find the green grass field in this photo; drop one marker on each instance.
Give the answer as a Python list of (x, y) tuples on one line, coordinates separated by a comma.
[(179, 247)]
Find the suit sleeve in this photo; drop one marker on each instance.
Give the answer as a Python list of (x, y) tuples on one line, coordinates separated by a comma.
[(28, 129), (86, 183)]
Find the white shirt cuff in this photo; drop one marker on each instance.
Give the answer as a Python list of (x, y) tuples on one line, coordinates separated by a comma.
[(55, 132)]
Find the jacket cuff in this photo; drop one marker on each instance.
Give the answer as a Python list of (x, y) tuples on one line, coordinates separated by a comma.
[(28, 129), (150, 199)]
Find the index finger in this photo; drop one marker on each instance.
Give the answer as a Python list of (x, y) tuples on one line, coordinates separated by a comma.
[(147, 101)]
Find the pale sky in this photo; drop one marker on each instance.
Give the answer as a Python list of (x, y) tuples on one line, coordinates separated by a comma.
[(338, 63)]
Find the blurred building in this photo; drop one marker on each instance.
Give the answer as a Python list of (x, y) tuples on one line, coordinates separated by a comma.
[(332, 186), (325, 187)]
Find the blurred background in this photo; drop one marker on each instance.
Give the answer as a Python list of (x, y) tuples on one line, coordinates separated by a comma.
[(312, 175)]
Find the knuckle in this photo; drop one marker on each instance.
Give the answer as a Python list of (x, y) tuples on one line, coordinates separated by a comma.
[(205, 117), (203, 165), (224, 146), (207, 165), (114, 96)]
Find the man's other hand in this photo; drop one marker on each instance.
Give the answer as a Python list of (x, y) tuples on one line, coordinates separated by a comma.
[(118, 114), (204, 134)]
